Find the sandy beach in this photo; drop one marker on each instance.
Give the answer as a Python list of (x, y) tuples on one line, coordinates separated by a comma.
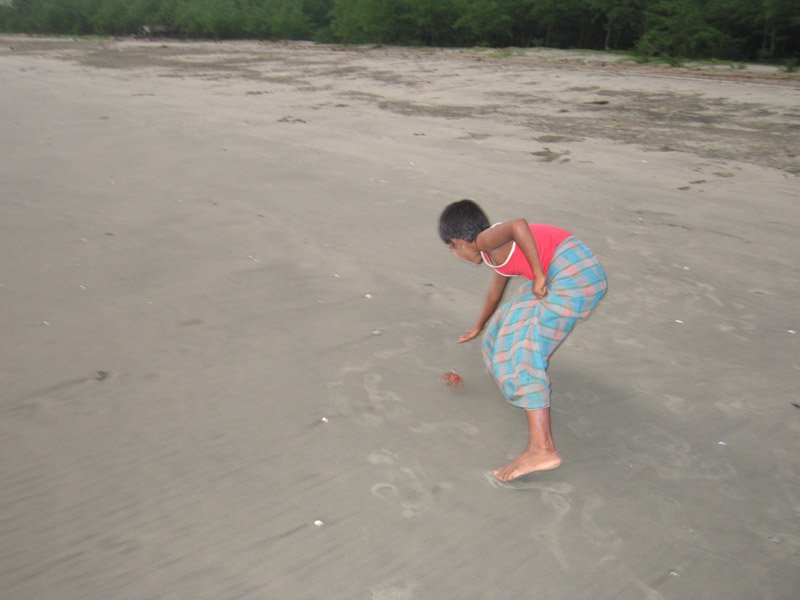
[(226, 312)]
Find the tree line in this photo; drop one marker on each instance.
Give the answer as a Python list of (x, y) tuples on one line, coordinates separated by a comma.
[(742, 30)]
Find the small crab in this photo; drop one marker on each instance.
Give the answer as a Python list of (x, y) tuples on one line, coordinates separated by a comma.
[(452, 379)]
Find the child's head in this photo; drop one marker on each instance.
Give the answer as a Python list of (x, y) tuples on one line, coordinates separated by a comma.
[(462, 220)]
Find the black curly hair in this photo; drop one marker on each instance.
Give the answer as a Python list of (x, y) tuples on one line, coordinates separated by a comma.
[(463, 220)]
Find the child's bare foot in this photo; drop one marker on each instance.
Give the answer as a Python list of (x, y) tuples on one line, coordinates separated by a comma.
[(528, 462)]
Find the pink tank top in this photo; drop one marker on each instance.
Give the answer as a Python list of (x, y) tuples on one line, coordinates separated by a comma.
[(547, 237)]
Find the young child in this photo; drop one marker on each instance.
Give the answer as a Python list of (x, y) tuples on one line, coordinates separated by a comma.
[(565, 283)]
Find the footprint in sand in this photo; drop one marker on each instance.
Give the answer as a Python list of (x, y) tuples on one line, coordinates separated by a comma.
[(361, 394), (409, 493), (561, 503), (394, 589), (675, 404), (524, 483), (614, 565), (788, 479), (461, 426), (382, 457), (408, 347), (583, 427), (606, 537), (404, 487), (556, 495)]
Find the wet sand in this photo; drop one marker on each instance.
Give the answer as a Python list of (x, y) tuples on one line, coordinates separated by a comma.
[(226, 311)]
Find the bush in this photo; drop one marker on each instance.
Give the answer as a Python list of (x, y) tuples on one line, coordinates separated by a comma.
[(791, 65), (679, 28), (726, 29)]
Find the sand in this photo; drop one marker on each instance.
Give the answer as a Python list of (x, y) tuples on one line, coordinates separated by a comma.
[(226, 311)]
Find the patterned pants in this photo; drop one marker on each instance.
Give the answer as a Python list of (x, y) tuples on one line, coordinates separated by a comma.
[(524, 332)]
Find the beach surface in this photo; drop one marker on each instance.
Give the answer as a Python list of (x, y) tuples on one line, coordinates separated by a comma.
[(226, 313)]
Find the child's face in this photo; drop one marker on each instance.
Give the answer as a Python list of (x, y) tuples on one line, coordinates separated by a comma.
[(464, 250)]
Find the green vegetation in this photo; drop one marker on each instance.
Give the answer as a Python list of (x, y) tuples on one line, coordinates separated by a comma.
[(666, 30), (790, 66)]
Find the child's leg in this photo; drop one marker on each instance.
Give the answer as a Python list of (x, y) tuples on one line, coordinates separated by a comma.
[(517, 348), (539, 455), (523, 335)]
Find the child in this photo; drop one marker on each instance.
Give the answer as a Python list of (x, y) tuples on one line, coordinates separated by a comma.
[(565, 283)]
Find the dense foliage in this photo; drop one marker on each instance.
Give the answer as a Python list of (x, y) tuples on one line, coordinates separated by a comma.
[(726, 29)]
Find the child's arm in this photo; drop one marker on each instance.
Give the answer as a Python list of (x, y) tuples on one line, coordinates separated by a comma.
[(519, 232), (493, 297)]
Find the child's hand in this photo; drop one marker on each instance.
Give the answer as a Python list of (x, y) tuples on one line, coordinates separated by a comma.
[(539, 288), (469, 334)]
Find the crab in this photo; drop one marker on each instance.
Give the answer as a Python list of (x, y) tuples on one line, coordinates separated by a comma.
[(452, 379)]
